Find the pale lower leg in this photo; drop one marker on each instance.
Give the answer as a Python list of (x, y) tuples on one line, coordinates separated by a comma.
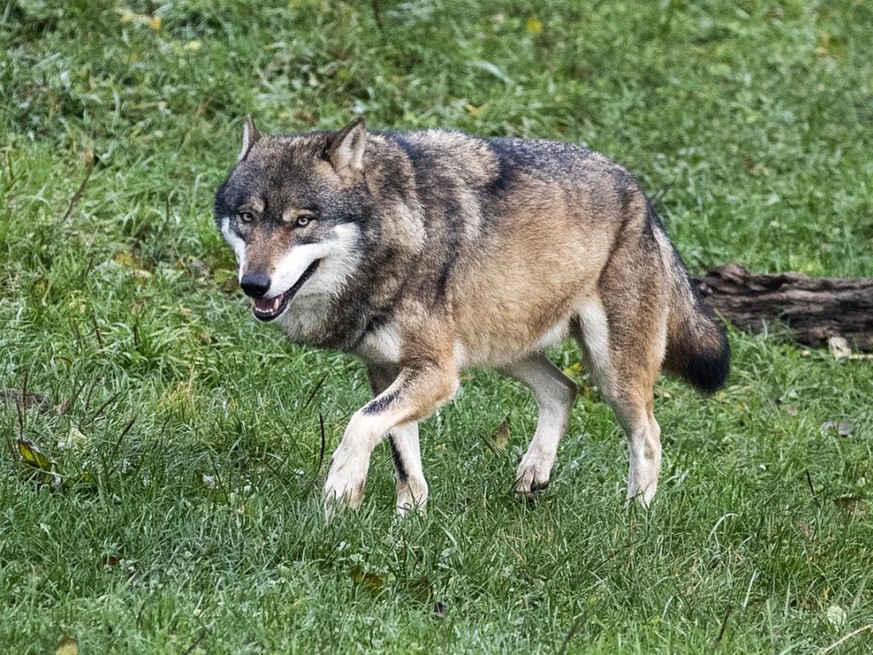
[(554, 393), (644, 441), (411, 485)]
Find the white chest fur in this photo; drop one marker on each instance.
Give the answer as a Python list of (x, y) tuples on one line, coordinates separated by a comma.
[(381, 346)]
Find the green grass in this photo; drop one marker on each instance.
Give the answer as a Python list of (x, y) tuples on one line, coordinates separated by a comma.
[(197, 527)]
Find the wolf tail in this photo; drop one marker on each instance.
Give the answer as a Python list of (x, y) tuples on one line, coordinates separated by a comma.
[(697, 346)]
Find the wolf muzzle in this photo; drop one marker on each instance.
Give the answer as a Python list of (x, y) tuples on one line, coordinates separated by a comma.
[(257, 285)]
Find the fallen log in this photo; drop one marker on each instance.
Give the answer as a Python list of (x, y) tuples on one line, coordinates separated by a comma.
[(814, 309)]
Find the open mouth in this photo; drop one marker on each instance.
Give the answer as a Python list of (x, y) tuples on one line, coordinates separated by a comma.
[(269, 309)]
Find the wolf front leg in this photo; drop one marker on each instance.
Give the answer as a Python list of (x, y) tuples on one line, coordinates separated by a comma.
[(416, 393), (405, 451)]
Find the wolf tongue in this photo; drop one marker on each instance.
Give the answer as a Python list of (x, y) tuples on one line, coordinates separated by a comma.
[(264, 304)]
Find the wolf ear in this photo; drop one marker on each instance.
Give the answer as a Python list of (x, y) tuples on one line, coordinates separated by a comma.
[(250, 136), (345, 151)]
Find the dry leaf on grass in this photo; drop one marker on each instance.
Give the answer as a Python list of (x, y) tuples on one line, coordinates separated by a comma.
[(37, 461), (67, 646)]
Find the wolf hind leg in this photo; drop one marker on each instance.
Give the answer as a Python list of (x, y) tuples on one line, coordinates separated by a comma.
[(625, 362), (554, 393)]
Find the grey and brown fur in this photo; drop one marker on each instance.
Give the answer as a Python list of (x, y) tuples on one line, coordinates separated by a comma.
[(437, 251)]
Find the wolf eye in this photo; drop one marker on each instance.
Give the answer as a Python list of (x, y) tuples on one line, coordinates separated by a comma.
[(246, 217), (303, 220)]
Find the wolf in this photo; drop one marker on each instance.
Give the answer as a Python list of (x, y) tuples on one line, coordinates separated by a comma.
[(427, 253)]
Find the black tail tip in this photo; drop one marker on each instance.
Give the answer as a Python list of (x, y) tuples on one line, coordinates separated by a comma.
[(708, 372)]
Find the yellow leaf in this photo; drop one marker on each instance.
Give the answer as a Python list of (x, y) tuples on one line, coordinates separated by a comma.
[(67, 646), (127, 16), (500, 438), (124, 258), (42, 467), (533, 25), (155, 22), (85, 481), (371, 581), (133, 262), (193, 45), (33, 456)]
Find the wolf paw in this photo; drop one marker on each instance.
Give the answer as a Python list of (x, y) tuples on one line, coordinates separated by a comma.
[(412, 498), (344, 486), (532, 476), (643, 495)]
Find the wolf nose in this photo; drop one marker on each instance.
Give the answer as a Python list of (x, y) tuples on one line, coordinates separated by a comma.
[(255, 284)]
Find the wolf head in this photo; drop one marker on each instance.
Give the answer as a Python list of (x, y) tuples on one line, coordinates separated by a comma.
[(294, 209)]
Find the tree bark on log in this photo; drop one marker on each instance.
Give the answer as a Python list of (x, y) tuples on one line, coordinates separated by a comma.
[(814, 309)]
